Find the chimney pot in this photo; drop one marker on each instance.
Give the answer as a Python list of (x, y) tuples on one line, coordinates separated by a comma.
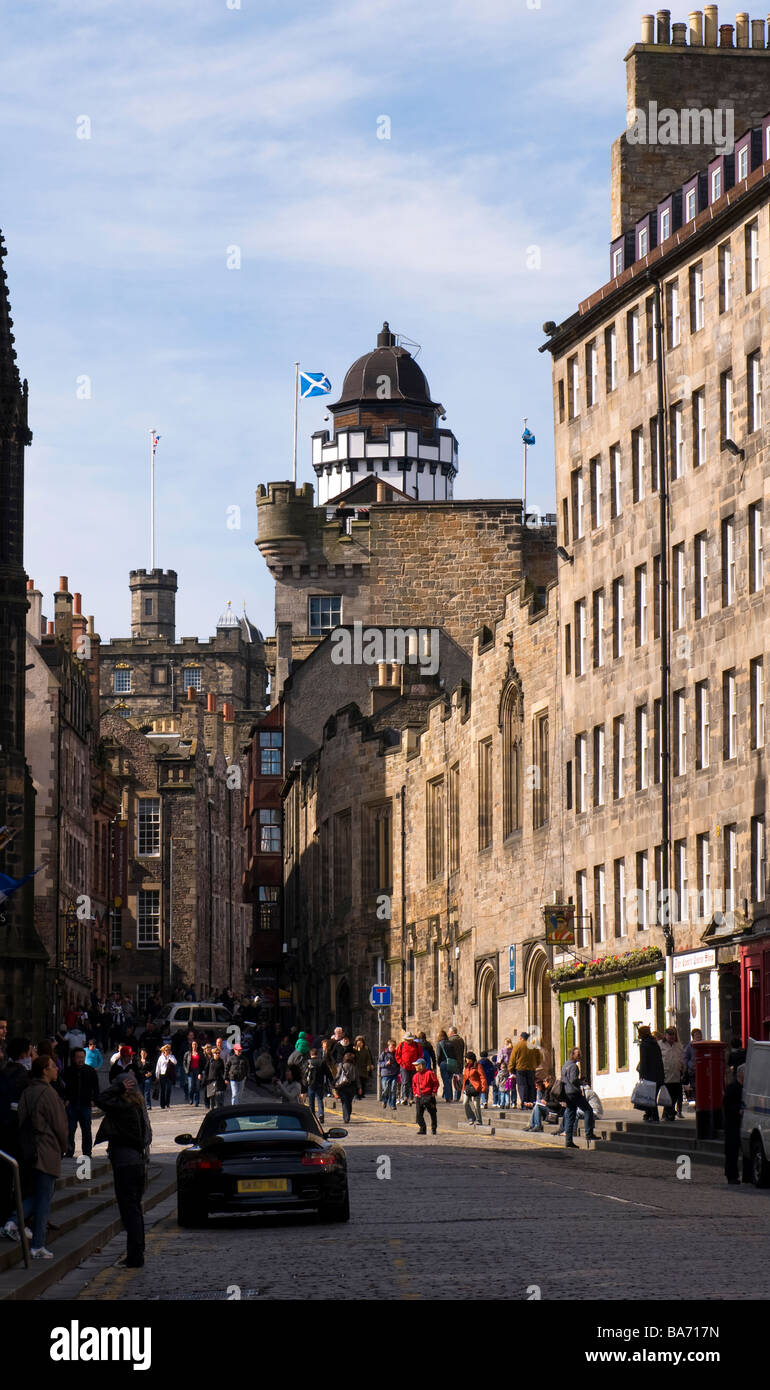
[(679, 35), (395, 673), (710, 24), (664, 27), (726, 36), (77, 601), (211, 703), (191, 694), (757, 33), (382, 673), (30, 584), (742, 29), (63, 584), (50, 629), (648, 28), (696, 28)]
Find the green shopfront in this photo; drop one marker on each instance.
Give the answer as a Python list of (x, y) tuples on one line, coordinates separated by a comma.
[(601, 1015)]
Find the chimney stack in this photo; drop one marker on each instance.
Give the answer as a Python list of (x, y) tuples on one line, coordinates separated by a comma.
[(35, 612), (80, 645), (710, 25), (696, 28), (62, 612)]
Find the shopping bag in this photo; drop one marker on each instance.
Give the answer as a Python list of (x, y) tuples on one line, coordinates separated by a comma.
[(643, 1095)]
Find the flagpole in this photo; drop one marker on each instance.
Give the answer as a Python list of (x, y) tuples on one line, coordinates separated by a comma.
[(524, 485), (152, 500), (296, 399)]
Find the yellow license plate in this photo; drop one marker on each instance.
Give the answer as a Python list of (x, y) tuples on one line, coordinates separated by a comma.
[(263, 1185)]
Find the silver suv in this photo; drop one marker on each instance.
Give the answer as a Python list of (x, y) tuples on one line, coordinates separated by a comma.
[(210, 1018)]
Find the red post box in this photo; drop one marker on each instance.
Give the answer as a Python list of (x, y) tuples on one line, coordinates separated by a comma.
[(709, 1087)]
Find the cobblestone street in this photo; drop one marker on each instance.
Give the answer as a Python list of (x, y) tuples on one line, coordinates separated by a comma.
[(462, 1215)]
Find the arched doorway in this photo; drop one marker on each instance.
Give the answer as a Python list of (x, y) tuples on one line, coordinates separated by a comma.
[(539, 1001), (487, 997)]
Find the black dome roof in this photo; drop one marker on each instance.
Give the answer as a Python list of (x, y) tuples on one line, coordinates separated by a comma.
[(363, 380)]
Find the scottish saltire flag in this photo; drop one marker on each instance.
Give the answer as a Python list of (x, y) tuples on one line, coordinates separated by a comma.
[(528, 437), (9, 885), (155, 438), (313, 384)]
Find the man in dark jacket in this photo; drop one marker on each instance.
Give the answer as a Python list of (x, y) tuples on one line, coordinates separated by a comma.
[(650, 1067), (236, 1071), (81, 1087), (126, 1128)]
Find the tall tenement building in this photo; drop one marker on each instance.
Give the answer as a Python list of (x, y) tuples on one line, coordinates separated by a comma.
[(660, 404), (24, 959)]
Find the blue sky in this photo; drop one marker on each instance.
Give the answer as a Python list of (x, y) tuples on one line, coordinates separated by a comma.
[(256, 128)]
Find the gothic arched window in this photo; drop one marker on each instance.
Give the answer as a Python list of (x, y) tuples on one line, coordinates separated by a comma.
[(512, 727)]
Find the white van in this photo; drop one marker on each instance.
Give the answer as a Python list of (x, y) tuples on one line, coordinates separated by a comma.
[(755, 1120), (206, 1017)]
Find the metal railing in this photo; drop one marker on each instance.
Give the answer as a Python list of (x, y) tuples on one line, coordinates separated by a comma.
[(6, 1158)]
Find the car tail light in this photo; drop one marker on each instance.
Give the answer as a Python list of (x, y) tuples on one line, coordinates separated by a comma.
[(207, 1165), (318, 1161)]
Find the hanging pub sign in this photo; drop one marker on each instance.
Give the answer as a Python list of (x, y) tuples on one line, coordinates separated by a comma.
[(559, 919), (119, 836)]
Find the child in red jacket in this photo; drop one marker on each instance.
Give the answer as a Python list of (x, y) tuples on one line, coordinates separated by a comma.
[(407, 1052), (425, 1087)]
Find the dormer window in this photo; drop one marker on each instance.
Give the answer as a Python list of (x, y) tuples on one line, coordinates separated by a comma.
[(617, 262), (193, 676), (716, 185), (643, 242), (743, 162), (691, 205), (665, 224)]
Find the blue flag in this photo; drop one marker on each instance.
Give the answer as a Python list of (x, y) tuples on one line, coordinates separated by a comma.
[(313, 384), (9, 885), (528, 437)]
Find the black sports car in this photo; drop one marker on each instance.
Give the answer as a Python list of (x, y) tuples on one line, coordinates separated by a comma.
[(261, 1157)]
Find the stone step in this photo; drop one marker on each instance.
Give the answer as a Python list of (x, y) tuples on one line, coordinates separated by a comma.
[(632, 1148), (82, 1231), (68, 1207)]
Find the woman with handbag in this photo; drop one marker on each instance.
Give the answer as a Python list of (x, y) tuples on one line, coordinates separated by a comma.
[(214, 1080), (364, 1065), (650, 1068)]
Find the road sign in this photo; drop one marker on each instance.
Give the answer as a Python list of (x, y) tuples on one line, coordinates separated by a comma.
[(380, 997), (559, 924)]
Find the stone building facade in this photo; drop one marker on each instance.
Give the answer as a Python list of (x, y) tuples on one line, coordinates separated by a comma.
[(146, 675), (420, 846), (183, 922), (662, 474), (24, 959)]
